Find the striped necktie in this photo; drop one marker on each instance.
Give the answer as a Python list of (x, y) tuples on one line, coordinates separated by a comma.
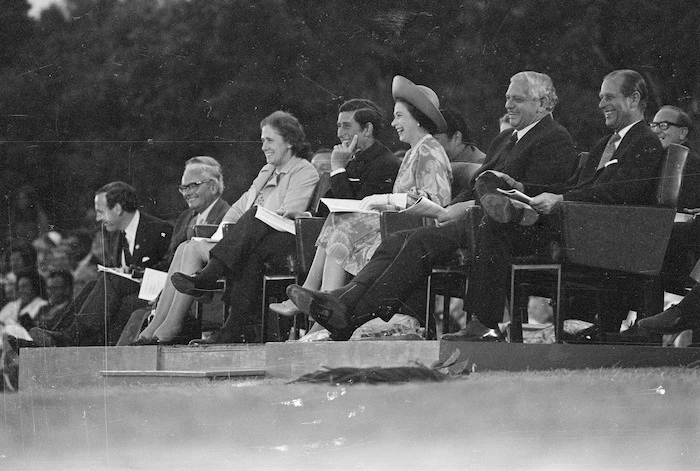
[(609, 150)]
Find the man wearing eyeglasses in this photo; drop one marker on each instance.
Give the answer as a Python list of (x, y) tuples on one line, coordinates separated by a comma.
[(201, 187), (672, 125)]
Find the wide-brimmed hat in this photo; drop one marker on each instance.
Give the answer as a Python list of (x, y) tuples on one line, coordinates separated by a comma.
[(421, 97)]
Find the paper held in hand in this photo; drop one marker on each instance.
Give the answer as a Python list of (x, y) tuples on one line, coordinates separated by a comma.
[(118, 272), (516, 195), (340, 205), (152, 284), (275, 221), (426, 208)]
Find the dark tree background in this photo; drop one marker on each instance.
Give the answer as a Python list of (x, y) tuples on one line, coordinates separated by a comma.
[(130, 89)]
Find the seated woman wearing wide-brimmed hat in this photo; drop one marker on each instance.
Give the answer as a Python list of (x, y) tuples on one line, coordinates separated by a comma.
[(348, 240)]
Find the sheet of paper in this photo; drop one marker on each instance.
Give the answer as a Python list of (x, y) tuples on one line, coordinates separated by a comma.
[(426, 208), (340, 205), (115, 271), (275, 221), (516, 195), (152, 284)]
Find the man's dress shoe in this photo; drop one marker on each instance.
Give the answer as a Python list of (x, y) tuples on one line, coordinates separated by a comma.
[(325, 308), (671, 321), (500, 207), (194, 285)]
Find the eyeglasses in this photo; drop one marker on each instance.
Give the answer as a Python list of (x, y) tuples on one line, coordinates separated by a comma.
[(663, 125), (192, 186)]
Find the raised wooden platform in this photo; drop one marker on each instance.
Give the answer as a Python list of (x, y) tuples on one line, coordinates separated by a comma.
[(75, 367)]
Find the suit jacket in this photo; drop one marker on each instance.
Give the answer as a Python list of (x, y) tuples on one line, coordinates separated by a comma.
[(182, 224), (690, 185), (150, 247), (631, 175), (544, 157), (371, 172)]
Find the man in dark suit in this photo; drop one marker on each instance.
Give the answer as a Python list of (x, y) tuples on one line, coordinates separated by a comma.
[(623, 168), (133, 241), (465, 157), (672, 126), (537, 151), (360, 164), (201, 187)]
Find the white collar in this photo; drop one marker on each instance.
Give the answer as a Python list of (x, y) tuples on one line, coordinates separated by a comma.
[(202, 217), (521, 132), (130, 230)]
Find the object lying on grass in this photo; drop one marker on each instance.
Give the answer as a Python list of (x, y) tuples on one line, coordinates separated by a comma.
[(398, 374)]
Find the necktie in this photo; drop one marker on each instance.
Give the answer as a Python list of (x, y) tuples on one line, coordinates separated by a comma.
[(511, 142), (124, 248), (609, 150), (194, 220)]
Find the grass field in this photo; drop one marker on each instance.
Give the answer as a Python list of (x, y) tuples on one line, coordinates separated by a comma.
[(595, 419)]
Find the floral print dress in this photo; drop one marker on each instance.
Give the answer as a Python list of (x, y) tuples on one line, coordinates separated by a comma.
[(350, 239)]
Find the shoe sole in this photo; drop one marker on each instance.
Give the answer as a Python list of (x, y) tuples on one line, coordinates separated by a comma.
[(332, 316), (499, 208)]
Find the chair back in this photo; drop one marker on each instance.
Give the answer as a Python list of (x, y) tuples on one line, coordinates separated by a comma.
[(307, 231), (631, 239), (671, 176), (322, 187), (462, 174)]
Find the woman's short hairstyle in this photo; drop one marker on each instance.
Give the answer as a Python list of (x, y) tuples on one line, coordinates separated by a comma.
[(423, 120), (540, 86), (365, 111), (210, 167), (632, 81), (288, 126), (122, 193)]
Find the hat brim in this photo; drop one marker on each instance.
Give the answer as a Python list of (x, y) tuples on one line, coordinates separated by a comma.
[(403, 88)]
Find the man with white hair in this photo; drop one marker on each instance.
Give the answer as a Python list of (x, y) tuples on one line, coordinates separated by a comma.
[(537, 151)]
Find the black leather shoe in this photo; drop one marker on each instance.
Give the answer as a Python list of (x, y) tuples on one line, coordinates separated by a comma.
[(671, 321), (194, 285), (325, 308), (474, 331)]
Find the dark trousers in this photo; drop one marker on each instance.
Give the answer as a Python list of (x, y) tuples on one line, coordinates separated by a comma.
[(690, 304), (105, 312), (400, 267), (489, 276), (248, 249)]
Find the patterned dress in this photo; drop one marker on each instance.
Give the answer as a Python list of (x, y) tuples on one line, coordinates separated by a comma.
[(350, 239)]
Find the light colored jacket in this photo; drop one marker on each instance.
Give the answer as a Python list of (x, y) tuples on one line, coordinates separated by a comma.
[(288, 190)]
